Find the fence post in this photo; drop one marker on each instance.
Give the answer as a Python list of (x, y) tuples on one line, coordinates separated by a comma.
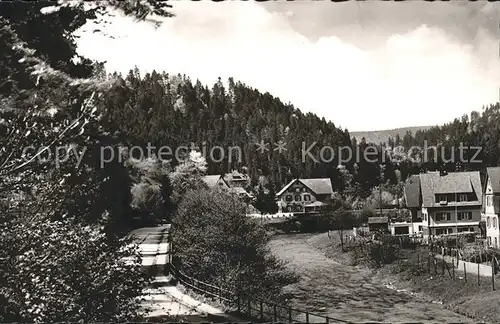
[(478, 281), (493, 274), (307, 317), (289, 314), (453, 267), (442, 266), (465, 273), (275, 313)]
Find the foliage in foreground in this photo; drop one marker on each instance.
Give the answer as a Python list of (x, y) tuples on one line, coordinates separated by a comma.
[(56, 271), (60, 259), (218, 244)]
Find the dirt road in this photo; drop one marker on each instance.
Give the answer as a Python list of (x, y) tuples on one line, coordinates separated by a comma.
[(350, 293)]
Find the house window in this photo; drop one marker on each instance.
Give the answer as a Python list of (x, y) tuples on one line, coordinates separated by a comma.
[(440, 198), (496, 243), (462, 197), (471, 229), (489, 240), (288, 198), (464, 215), (420, 228), (307, 197), (450, 230), (297, 189), (488, 221), (303, 189), (488, 200), (440, 231), (297, 198), (443, 217), (494, 222)]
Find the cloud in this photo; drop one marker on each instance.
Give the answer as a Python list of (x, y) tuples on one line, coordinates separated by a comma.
[(418, 77)]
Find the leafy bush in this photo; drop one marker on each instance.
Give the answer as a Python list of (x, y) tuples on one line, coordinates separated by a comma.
[(382, 253), (61, 271), (216, 243)]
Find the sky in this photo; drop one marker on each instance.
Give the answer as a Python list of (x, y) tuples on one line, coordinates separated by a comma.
[(362, 65)]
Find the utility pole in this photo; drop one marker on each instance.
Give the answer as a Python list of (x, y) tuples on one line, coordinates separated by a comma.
[(382, 169), (456, 217), (456, 209)]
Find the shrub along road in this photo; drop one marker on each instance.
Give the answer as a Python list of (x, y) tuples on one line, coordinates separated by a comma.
[(346, 292)]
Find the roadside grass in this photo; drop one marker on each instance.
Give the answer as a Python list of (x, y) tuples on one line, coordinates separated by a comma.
[(331, 286), (410, 274), (212, 301), (467, 295), (331, 246)]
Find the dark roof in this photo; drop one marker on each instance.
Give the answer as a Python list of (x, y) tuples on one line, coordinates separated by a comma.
[(378, 220), (235, 176), (320, 186), (412, 191), (317, 203), (240, 191), (211, 180), (433, 183), (494, 178)]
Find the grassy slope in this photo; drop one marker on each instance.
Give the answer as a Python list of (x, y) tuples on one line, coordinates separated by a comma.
[(329, 285), (468, 298)]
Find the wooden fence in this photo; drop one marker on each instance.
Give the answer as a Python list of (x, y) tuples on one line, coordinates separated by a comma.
[(248, 307), (442, 265)]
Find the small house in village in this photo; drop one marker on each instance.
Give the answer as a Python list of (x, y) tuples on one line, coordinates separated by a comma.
[(413, 197), (451, 203), (219, 182), (215, 181), (491, 206), (304, 195), (378, 223)]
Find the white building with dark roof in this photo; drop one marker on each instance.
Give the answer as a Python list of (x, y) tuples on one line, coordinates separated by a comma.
[(451, 203), (304, 195), (491, 206), (215, 181)]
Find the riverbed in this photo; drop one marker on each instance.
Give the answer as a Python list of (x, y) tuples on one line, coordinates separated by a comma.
[(349, 293)]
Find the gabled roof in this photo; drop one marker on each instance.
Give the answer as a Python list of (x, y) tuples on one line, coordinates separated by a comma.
[(494, 177), (320, 186), (317, 203), (211, 180), (236, 176), (412, 191), (433, 183), (378, 220), (239, 191)]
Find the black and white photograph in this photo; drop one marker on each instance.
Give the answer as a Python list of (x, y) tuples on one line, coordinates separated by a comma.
[(306, 161)]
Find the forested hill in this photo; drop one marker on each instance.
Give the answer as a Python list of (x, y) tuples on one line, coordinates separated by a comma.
[(479, 132), (381, 136), (173, 110)]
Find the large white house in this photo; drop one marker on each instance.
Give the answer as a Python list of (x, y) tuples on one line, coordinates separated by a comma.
[(451, 203), (491, 207), (304, 195)]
